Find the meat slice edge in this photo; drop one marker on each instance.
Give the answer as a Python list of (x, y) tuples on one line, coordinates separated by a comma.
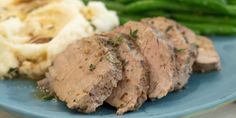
[(208, 59), (200, 47), (131, 91)]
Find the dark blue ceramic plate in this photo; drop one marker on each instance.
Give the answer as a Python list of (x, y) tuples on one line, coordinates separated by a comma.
[(203, 92)]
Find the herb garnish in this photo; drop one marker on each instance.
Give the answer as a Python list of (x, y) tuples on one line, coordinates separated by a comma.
[(169, 28), (124, 62), (179, 50), (115, 42), (12, 70), (109, 58), (93, 26), (92, 67), (43, 94), (195, 44), (133, 34)]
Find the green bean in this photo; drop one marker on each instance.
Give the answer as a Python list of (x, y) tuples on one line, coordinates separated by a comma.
[(157, 13), (125, 1), (149, 14), (132, 17), (231, 2), (222, 1), (194, 19), (151, 5), (216, 5), (139, 17), (204, 19), (211, 29), (232, 9), (118, 7), (202, 16), (170, 5), (123, 20), (86, 1)]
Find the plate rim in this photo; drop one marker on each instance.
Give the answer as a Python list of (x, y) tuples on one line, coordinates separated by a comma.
[(226, 99)]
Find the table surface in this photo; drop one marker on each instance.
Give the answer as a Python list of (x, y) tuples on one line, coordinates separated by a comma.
[(228, 111)]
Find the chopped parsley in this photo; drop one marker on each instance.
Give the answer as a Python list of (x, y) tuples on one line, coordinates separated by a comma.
[(93, 26), (12, 70), (115, 42), (124, 62), (169, 28), (114, 61), (92, 67), (179, 50), (43, 95), (109, 58), (195, 44), (133, 34)]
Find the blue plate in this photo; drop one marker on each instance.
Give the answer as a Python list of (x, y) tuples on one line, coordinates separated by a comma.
[(203, 92)]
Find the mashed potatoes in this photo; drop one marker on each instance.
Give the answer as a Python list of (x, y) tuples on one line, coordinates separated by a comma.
[(33, 32)]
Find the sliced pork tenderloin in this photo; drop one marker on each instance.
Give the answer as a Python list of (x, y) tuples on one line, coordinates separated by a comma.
[(208, 59), (131, 91), (158, 53), (82, 76), (191, 39), (182, 49)]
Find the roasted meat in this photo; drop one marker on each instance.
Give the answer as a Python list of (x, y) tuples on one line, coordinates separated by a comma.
[(158, 53), (85, 74), (131, 91), (208, 59), (182, 48)]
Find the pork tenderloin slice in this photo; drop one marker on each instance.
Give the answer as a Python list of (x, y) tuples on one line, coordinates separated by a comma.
[(191, 39), (205, 49), (184, 59), (82, 76), (131, 91), (158, 54), (208, 59)]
